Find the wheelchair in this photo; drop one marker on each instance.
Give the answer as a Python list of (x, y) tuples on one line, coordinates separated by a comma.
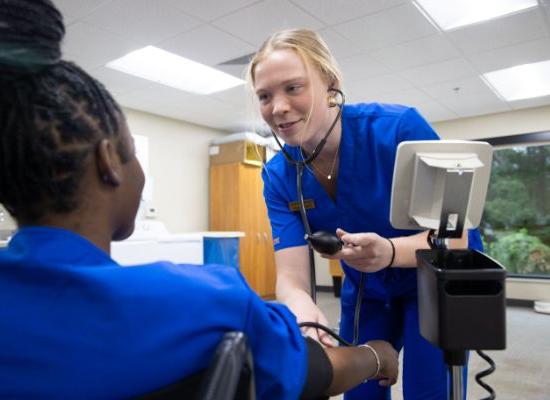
[(230, 375)]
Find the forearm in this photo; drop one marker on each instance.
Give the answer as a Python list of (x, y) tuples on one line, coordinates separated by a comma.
[(335, 370), (406, 246), (289, 288), (351, 366), (293, 280)]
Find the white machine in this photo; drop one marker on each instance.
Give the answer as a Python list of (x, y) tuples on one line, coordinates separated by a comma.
[(440, 182), (152, 242), (441, 186), (7, 224)]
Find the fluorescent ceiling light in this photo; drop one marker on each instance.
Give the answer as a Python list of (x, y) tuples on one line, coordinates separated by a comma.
[(451, 14), (521, 82), (172, 70)]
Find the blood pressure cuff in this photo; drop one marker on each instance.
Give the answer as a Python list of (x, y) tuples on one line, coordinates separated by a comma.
[(319, 372)]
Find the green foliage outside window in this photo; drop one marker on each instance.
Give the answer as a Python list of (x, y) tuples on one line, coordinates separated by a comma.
[(516, 221)]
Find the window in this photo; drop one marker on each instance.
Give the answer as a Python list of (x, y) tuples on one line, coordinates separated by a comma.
[(516, 221)]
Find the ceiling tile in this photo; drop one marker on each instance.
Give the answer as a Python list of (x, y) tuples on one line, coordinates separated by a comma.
[(336, 11), (500, 32), (410, 97), (239, 96), (434, 111), (438, 72), (118, 82), (339, 46), (96, 46), (381, 84), (75, 9), (387, 51), (476, 104), (360, 67), (255, 23), (203, 110), (154, 93), (238, 71), (209, 10), (207, 45), (459, 87), (523, 53), (395, 25), (143, 21), (417, 52)]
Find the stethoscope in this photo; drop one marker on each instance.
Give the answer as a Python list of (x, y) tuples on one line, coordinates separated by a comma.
[(322, 241)]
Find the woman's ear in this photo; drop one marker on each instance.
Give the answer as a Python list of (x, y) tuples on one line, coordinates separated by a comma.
[(108, 162)]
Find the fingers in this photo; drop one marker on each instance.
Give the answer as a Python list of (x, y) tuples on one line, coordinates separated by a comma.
[(357, 239), (326, 339), (340, 233), (387, 382), (311, 332), (319, 336)]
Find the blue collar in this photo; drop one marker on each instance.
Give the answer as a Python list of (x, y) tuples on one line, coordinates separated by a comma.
[(48, 245)]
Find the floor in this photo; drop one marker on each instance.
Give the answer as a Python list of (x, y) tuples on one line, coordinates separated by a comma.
[(521, 369)]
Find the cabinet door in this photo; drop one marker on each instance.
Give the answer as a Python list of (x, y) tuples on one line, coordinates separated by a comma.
[(269, 277), (224, 197), (251, 203), (237, 204)]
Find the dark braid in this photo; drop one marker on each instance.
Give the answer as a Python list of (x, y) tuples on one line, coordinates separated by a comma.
[(52, 114)]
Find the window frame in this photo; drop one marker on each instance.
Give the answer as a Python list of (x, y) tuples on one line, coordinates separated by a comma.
[(526, 139)]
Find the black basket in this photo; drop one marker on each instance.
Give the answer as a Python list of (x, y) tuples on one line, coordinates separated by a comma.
[(462, 302)]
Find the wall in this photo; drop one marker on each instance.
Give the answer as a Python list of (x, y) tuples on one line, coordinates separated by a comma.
[(493, 125), (178, 166)]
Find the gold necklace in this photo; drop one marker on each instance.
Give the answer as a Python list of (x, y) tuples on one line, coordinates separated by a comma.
[(329, 176)]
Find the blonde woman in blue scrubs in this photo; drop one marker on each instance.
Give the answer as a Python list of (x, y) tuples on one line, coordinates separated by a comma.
[(294, 77)]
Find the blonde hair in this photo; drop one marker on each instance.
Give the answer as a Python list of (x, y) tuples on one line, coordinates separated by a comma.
[(308, 45)]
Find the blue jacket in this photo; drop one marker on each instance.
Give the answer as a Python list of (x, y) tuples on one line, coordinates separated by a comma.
[(75, 324)]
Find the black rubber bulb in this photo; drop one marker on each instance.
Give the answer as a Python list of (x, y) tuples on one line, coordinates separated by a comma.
[(324, 242)]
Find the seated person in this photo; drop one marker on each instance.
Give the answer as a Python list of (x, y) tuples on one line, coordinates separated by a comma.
[(74, 323)]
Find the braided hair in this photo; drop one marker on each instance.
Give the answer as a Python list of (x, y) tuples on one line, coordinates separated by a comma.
[(52, 114)]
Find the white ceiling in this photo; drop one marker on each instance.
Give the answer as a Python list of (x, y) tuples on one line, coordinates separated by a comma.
[(387, 50)]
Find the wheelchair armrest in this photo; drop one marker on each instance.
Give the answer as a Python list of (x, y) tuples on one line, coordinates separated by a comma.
[(231, 372), (230, 375)]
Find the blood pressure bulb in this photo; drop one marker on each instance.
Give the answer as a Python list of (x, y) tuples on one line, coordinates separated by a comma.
[(324, 242)]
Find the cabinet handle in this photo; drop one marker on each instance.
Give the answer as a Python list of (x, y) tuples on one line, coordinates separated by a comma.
[(258, 237), (265, 236)]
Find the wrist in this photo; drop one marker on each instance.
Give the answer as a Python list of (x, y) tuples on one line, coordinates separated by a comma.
[(374, 353), (392, 258)]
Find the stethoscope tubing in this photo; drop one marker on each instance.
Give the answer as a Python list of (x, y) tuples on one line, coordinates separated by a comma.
[(300, 166)]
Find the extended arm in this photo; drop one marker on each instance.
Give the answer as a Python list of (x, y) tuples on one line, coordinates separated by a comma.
[(293, 289), (369, 252), (336, 370)]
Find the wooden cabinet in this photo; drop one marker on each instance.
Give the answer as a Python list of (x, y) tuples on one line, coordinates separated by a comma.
[(237, 204)]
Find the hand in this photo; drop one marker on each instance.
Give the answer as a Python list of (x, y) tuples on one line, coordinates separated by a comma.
[(366, 252), (389, 362), (307, 311)]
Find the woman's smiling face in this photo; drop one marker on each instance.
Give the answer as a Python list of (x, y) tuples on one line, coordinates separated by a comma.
[(292, 97)]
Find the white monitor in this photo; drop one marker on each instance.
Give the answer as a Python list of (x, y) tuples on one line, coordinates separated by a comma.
[(440, 184), (7, 224)]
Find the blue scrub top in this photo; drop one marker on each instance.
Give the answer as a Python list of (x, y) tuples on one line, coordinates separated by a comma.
[(370, 136), (75, 324)]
